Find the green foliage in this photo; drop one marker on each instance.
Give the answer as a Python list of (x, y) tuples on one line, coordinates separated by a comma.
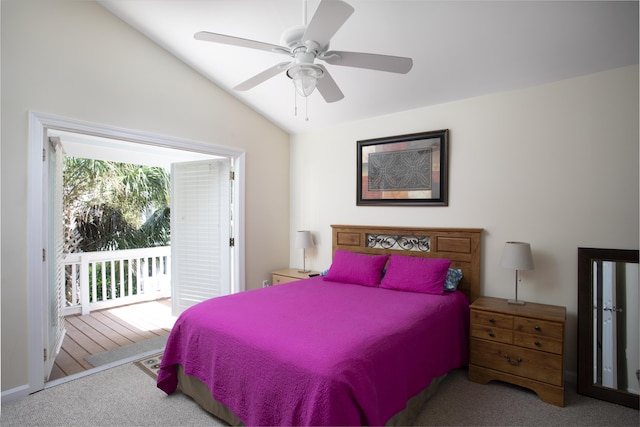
[(111, 206)]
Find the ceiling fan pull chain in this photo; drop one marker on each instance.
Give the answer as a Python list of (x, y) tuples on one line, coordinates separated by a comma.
[(306, 108), (295, 102)]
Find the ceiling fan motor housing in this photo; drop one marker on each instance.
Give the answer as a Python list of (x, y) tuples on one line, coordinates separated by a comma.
[(292, 38)]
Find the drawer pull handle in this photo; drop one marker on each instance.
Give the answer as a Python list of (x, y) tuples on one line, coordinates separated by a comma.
[(537, 343), (492, 320), (492, 335), (537, 328), (511, 362)]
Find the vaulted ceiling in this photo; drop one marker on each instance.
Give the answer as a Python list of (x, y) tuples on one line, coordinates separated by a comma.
[(460, 49)]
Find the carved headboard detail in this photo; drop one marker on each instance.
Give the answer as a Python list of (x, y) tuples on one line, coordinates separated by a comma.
[(460, 245)]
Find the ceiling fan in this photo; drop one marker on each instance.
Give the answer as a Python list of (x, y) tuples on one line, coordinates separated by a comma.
[(308, 43)]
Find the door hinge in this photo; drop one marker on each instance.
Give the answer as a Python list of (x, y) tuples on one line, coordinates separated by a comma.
[(44, 154), (232, 242), (45, 354), (232, 175), (44, 255)]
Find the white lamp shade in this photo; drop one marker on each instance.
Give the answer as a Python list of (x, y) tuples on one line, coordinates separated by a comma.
[(517, 256), (303, 239)]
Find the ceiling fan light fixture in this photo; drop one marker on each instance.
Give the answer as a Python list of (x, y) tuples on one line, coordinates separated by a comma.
[(305, 77)]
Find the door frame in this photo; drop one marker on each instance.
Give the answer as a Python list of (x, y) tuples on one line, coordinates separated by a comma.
[(37, 232)]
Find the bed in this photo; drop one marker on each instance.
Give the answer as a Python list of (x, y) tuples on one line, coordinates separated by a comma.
[(348, 348)]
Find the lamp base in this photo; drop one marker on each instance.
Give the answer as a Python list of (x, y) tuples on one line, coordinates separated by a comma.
[(515, 301), (304, 271)]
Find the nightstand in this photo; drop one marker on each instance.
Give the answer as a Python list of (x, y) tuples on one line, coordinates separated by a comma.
[(289, 275), (519, 344)]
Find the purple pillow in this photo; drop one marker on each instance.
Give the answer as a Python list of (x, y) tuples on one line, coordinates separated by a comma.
[(361, 269), (413, 274)]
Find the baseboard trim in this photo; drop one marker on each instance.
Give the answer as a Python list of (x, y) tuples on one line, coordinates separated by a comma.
[(15, 394)]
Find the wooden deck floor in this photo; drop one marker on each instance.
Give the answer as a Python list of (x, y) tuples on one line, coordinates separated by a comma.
[(109, 329)]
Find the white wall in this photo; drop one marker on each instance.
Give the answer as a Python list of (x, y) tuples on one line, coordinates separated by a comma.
[(554, 165), (75, 59)]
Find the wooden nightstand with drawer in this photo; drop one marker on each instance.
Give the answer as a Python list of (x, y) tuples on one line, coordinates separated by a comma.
[(519, 344), (287, 275)]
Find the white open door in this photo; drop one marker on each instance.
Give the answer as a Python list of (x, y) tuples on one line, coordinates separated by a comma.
[(55, 299), (200, 232)]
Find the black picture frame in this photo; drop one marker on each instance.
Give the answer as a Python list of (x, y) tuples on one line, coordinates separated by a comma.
[(404, 170)]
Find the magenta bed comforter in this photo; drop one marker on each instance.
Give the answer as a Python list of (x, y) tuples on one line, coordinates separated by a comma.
[(316, 352)]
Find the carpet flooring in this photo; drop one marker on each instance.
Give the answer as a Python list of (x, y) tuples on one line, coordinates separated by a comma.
[(460, 402), (120, 396), (127, 396)]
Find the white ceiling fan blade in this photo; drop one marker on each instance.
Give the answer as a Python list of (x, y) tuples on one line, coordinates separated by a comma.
[(328, 87), (328, 18), (238, 41), (263, 76), (371, 61)]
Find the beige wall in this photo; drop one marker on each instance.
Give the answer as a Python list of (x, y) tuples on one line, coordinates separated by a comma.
[(553, 165), (75, 59)]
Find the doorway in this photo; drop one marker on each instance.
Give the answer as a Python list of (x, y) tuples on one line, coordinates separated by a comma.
[(111, 142)]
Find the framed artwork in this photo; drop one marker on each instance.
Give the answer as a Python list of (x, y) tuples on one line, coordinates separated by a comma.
[(407, 170)]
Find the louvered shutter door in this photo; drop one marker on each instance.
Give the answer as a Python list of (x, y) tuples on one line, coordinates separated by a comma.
[(55, 255), (200, 210)]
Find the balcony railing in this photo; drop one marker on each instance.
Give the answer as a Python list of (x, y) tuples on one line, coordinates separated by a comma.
[(98, 280)]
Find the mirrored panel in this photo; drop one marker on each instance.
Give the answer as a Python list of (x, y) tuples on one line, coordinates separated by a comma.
[(608, 345)]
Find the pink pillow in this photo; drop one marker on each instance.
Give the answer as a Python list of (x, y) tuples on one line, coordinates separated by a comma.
[(413, 274), (361, 269)]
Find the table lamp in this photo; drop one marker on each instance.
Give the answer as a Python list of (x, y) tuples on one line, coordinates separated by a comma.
[(517, 256), (304, 241)]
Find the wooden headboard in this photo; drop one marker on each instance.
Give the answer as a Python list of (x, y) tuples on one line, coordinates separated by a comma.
[(460, 245)]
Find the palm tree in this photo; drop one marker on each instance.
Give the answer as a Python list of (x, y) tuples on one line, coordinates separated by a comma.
[(111, 205)]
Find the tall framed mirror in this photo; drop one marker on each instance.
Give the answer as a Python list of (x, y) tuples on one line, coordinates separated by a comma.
[(608, 323)]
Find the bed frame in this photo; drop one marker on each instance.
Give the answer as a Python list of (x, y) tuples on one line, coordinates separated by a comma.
[(460, 245)]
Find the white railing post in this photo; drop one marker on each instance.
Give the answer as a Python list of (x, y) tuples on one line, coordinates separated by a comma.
[(154, 269), (84, 284), (142, 267), (130, 276), (103, 279), (113, 278), (75, 285), (121, 274)]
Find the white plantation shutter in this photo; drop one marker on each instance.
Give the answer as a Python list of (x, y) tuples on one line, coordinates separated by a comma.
[(54, 254), (200, 224)]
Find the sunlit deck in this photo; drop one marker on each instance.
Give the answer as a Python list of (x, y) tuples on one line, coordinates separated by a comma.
[(109, 329)]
